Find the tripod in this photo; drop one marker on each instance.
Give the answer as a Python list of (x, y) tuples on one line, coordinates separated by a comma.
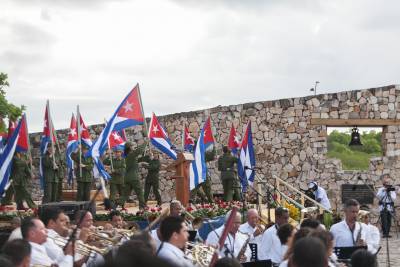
[(385, 218)]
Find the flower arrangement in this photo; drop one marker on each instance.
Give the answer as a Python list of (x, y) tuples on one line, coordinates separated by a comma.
[(8, 214), (294, 212), (211, 210)]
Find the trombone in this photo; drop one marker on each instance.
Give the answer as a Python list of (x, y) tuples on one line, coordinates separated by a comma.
[(81, 248)]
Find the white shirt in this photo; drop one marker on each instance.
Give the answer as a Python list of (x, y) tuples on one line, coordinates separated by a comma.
[(382, 198), (154, 235), (320, 193), (39, 255), (246, 228), (55, 252), (174, 255), (372, 237), (343, 237), (233, 244), (271, 247), (15, 234)]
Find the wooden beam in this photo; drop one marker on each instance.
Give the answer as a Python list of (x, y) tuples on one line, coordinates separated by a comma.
[(355, 122)]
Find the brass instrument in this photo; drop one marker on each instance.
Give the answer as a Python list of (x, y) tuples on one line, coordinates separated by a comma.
[(200, 254), (81, 248), (243, 249), (359, 240), (163, 214), (108, 241)]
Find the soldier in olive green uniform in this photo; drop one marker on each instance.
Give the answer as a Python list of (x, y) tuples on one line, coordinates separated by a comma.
[(50, 175), (132, 181), (226, 164), (117, 176), (60, 173), (21, 175), (85, 181), (152, 179), (206, 185)]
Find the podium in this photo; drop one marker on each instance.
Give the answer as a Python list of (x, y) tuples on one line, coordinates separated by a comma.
[(181, 177)]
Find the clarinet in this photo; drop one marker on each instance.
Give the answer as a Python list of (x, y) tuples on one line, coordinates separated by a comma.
[(359, 241)]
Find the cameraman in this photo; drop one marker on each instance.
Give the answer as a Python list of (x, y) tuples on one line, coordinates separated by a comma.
[(386, 196)]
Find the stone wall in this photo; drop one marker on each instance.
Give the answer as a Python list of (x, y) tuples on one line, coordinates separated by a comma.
[(286, 144)]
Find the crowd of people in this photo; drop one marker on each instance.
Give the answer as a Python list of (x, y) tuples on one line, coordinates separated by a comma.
[(51, 240)]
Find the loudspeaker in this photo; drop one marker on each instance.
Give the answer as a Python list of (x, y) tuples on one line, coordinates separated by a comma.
[(70, 208)]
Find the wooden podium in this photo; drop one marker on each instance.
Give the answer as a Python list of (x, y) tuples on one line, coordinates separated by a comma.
[(181, 167)]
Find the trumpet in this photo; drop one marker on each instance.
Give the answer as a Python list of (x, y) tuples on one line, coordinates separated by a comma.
[(200, 254), (81, 248)]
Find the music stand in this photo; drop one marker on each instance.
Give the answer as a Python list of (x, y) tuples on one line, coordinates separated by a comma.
[(344, 253), (263, 263)]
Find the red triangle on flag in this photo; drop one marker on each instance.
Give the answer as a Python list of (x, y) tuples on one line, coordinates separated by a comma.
[(131, 108), (155, 130)]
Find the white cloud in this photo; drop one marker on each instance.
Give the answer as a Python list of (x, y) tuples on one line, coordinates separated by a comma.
[(190, 54)]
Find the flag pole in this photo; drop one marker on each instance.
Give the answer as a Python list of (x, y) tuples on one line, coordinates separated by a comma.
[(78, 126), (145, 121), (51, 133), (183, 137), (109, 148)]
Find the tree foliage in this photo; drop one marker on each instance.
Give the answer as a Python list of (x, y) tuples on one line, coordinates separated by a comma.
[(354, 157), (7, 109)]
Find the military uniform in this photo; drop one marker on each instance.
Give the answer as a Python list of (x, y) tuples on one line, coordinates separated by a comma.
[(60, 174), (50, 175), (117, 178), (132, 176), (206, 185), (21, 175), (228, 175), (85, 181), (152, 179)]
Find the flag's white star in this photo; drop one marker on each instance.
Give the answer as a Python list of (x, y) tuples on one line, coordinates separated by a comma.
[(237, 140), (128, 106), (116, 137), (72, 132), (45, 123), (155, 129)]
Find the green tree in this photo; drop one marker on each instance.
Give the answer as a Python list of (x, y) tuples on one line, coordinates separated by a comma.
[(7, 109)]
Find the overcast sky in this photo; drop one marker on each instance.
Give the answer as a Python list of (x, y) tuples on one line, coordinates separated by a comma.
[(190, 54)]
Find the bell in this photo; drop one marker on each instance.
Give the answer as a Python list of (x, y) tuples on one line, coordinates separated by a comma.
[(355, 137)]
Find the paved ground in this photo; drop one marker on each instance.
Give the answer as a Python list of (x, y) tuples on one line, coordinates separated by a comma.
[(394, 252)]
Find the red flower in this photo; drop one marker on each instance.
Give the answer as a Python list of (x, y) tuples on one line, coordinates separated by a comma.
[(189, 209), (152, 209)]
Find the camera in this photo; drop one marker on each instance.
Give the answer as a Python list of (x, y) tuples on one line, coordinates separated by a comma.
[(390, 188)]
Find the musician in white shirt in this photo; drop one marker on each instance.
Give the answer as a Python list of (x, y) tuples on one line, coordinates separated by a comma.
[(349, 232), (320, 195), (252, 227), (271, 247), (234, 242), (174, 234), (34, 231), (56, 224), (372, 237)]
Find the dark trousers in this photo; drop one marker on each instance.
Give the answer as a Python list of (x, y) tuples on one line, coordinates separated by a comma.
[(83, 193), (152, 183), (386, 221)]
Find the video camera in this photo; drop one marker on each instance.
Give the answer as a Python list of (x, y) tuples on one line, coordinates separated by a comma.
[(390, 188)]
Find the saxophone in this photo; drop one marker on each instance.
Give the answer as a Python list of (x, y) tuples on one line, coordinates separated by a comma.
[(243, 249), (359, 240)]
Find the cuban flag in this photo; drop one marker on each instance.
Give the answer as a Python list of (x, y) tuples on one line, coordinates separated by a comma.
[(3, 139), (23, 140), (198, 167), (11, 127), (188, 141), (208, 135), (247, 161), (233, 141), (128, 113), (72, 145), (45, 140), (7, 156), (84, 133), (116, 141), (159, 138)]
